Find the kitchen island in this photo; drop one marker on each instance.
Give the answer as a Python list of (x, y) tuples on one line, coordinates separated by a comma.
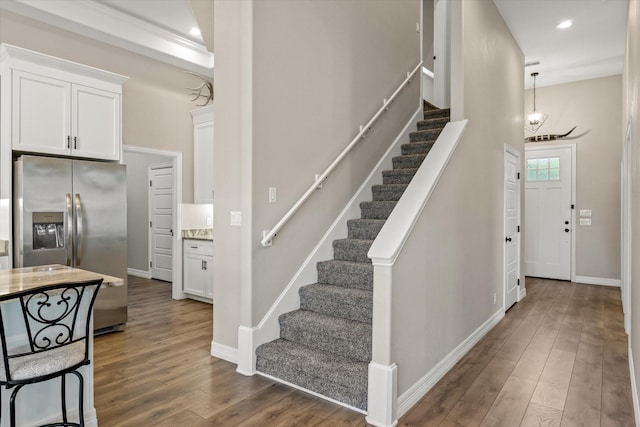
[(40, 403)]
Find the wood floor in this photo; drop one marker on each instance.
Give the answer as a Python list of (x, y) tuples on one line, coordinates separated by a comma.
[(559, 357)]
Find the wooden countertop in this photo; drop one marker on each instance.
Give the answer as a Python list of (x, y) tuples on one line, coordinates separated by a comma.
[(16, 280)]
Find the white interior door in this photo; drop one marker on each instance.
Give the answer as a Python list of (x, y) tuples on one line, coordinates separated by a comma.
[(161, 221), (511, 227), (548, 216)]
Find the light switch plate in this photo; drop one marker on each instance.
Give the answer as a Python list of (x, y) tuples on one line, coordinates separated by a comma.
[(236, 218), (585, 222), (273, 194), (585, 213), (209, 221)]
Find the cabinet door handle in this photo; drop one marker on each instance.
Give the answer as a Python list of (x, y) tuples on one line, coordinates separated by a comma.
[(194, 247), (204, 264), (68, 141), (75, 142)]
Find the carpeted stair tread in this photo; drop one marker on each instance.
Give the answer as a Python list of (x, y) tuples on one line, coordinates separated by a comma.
[(435, 123), (366, 229), (354, 250), (336, 335), (357, 275), (429, 106), (408, 161), (433, 114), (398, 176), (424, 135), (340, 378), (349, 303), (377, 209), (422, 147), (388, 192)]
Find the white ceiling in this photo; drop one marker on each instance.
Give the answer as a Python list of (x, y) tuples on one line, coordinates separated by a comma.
[(156, 28), (593, 47), (173, 15)]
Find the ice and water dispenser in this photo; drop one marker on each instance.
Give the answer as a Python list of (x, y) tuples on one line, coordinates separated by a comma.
[(48, 230)]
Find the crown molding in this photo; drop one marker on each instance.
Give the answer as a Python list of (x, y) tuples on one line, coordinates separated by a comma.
[(98, 21)]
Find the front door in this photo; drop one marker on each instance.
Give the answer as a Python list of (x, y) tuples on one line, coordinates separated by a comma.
[(161, 221), (511, 226), (548, 215)]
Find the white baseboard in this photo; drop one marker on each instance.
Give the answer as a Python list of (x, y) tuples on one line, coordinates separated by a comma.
[(269, 328), (634, 387), (246, 351), (139, 273), (224, 352), (522, 293), (597, 281), (420, 388), (383, 386)]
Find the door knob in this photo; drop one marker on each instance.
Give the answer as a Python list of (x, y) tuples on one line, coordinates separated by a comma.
[(566, 230), (508, 239), (566, 222)]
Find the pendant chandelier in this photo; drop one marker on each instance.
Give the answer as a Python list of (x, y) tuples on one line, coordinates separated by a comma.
[(535, 119)]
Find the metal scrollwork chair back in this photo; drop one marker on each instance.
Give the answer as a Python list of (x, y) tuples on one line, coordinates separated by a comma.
[(45, 335)]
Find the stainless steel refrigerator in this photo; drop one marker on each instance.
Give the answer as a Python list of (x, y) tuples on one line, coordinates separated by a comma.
[(74, 212)]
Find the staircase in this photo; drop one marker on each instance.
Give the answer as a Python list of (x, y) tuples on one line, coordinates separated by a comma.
[(325, 346)]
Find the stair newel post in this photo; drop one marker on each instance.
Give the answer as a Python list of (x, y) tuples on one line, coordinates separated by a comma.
[(382, 394)]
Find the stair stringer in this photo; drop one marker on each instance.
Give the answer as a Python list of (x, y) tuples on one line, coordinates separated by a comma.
[(268, 329)]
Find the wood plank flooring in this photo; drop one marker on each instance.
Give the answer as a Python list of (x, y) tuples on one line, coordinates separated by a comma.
[(559, 357)]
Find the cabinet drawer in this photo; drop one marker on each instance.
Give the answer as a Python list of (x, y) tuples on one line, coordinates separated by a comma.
[(198, 247)]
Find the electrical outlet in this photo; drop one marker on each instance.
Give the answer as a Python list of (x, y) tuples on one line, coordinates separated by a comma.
[(273, 194), (585, 213), (209, 221), (236, 218), (585, 222)]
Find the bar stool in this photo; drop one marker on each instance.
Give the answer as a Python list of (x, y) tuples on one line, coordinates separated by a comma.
[(48, 329)]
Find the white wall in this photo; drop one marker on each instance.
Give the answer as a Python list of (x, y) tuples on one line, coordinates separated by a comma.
[(427, 33), (452, 264), (196, 215), (631, 115), (595, 106), (295, 81)]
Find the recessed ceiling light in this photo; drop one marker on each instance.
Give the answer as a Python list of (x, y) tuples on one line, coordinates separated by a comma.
[(195, 31), (564, 24)]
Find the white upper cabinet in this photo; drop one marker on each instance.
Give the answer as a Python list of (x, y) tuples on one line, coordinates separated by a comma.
[(41, 114), (95, 123), (203, 154), (62, 108)]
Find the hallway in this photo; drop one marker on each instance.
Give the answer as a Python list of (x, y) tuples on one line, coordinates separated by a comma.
[(560, 355)]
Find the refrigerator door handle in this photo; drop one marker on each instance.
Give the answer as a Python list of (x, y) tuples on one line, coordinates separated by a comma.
[(67, 228), (80, 238)]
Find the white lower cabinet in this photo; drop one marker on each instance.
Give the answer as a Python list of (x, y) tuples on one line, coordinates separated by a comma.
[(197, 275)]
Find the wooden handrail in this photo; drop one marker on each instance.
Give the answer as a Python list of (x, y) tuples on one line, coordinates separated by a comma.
[(268, 237)]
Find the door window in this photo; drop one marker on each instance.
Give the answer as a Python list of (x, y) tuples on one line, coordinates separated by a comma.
[(544, 169)]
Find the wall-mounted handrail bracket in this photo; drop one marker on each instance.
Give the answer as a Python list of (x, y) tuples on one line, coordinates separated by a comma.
[(267, 237)]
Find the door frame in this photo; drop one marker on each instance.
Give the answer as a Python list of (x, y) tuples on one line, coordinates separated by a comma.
[(521, 291), (150, 208), (176, 284), (574, 224)]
